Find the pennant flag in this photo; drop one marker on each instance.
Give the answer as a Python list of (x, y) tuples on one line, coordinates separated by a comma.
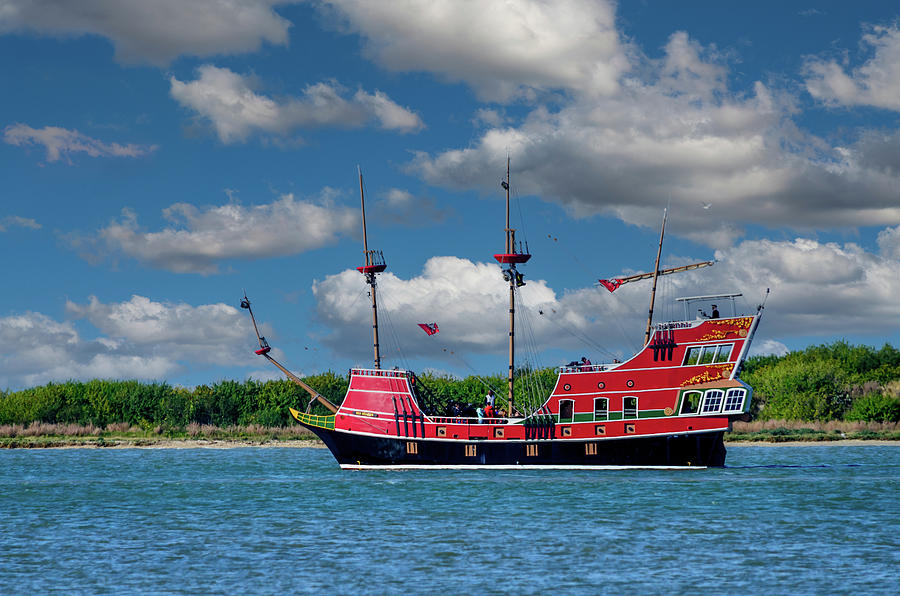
[(429, 329), (611, 284)]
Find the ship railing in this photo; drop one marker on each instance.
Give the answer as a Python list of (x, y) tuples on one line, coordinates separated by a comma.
[(589, 367), (467, 420), (377, 372)]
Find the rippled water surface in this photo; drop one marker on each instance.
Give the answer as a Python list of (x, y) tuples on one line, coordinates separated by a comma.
[(799, 520)]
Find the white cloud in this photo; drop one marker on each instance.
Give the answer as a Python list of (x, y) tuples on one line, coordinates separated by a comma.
[(154, 32), (139, 339), (818, 289), (15, 221), (230, 102), (61, 143), (502, 49), (678, 135), (875, 83), (201, 237)]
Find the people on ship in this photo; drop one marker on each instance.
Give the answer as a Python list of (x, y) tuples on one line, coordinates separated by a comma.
[(489, 411), (489, 398), (585, 363), (715, 312)]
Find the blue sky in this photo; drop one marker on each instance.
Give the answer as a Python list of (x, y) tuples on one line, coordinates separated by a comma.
[(159, 158)]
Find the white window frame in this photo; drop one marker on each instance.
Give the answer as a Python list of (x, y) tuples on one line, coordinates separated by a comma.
[(636, 409), (606, 409), (731, 394), (569, 420), (712, 396), (684, 400)]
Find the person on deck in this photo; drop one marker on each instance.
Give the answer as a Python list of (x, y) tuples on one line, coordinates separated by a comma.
[(585, 363), (715, 312), (489, 398), (489, 411)]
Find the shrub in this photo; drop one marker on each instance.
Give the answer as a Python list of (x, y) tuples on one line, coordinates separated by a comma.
[(874, 407)]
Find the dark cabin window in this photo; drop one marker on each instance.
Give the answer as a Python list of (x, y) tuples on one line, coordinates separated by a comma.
[(690, 402), (566, 410), (601, 408), (629, 407)]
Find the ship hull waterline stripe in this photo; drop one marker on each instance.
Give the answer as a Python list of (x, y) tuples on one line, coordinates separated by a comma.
[(510, 467)]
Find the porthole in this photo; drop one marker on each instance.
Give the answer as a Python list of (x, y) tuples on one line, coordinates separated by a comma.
[(630, 383), (567, 387), (601, 385)]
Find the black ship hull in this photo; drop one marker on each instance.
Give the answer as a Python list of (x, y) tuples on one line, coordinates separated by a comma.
[(356, 450)]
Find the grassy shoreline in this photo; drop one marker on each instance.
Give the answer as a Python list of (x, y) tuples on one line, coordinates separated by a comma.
[(54, 436)]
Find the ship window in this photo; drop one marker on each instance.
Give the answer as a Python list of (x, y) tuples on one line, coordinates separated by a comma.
[(531, 450), (693, 354), (629, 407), (712, 402), (566, 410), (734, 400), (412, 447), (708, 354), (723, 353), (601, 408), (690, 402), (470, 450)]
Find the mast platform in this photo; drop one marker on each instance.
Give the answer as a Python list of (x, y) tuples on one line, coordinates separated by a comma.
[(512, 258)]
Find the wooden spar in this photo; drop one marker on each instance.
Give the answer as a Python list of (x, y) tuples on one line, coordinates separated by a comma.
[(294, 378), (640, 276), (264, 351), (369, 272), (655, 277)]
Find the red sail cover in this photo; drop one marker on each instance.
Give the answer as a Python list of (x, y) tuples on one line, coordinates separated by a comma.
[(611, 284), (429, 329)]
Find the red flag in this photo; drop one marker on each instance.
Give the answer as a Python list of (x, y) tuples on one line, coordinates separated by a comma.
[(429, 329), (611, 284)]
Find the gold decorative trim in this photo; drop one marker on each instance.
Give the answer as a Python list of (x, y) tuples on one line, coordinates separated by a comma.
[(713, 373)]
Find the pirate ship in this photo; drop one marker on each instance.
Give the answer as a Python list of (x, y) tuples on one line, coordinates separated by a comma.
[(668, 406)]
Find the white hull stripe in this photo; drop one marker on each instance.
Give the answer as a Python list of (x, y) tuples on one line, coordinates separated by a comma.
[(508, 467)]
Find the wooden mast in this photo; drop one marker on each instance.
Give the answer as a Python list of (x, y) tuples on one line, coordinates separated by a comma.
[(369, 270), (655, 277), (510, 258), (510, 248)]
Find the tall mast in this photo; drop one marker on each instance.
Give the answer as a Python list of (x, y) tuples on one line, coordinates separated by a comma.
[(662, 233), (515, 279), (374, 264)]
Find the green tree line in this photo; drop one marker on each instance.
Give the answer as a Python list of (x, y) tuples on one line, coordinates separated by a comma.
[(837, 381), (821, 383)]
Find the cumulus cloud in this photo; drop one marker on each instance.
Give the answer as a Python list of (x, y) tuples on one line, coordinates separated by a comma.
[(818, 289), (199, 238), (62, 143), (154, 32), (139, 338), (231, 104), (502, 49), (12, 221), (679, 135), (875, 83)]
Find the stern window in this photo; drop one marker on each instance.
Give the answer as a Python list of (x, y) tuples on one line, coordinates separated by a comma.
[(734, 400), (712, 401), (690, 402)]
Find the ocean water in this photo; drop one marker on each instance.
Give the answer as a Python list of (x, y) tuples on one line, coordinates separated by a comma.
[(778, 520)]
